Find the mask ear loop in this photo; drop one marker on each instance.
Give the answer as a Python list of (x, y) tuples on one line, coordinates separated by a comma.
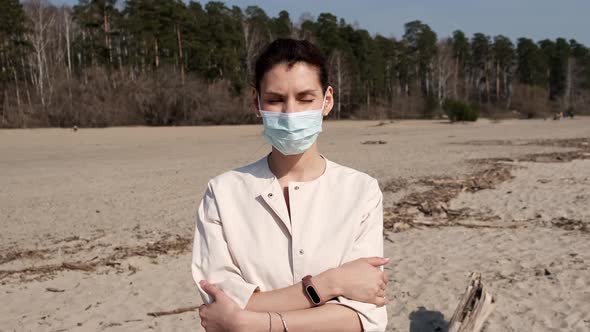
[(258, 115)]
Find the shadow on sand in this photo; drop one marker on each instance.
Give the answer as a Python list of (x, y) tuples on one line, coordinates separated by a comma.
[(422, 320)]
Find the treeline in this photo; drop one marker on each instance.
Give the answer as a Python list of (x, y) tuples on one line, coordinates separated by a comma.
[(167, 62)]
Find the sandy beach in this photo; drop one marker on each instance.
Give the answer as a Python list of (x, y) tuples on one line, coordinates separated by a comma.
[(97, 225)]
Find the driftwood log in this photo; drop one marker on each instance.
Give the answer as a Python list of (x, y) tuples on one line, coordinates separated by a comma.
[(172, 312), (475, 307)]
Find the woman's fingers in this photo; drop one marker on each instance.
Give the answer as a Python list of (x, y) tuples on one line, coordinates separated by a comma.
[(380, 293), (377, 261), (380, 301), (210, 289)]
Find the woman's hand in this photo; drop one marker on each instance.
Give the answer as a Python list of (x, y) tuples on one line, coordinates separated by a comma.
[(362, 280), (222, 315)]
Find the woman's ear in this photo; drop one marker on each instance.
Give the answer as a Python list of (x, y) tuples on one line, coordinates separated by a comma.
[(255, 104), (329, 100)]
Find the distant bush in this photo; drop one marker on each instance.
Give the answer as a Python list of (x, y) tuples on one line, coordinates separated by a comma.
[(458, 110)]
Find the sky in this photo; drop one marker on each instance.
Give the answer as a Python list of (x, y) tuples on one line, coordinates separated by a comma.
[(536, 19)]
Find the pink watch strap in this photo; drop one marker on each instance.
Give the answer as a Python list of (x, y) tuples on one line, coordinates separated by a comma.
[(312, 292)]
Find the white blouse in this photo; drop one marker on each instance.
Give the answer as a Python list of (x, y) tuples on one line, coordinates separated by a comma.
[(245, 239)]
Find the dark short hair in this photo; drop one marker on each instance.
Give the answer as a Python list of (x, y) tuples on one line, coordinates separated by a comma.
[(290, 51)]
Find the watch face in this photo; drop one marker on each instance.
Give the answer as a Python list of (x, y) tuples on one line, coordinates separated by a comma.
[(313, 294)]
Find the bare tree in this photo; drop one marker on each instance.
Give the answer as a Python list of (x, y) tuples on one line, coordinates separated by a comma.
[(67, 19), (568, 82), (341, 75), (43, 18), (445, 69), (107, 38), (180, 54)]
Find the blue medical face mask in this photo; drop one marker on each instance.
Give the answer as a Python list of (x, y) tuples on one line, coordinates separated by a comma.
[(292, 133)]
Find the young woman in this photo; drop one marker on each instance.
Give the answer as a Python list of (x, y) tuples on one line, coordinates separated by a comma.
[(292, 242)]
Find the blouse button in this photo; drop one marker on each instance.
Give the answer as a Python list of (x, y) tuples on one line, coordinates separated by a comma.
[(269, 195), (296, 188)]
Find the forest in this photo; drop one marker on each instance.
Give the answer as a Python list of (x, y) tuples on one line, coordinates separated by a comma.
[(167, 62)]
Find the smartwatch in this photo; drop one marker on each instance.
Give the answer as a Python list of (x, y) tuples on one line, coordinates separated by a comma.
[(312, 292)]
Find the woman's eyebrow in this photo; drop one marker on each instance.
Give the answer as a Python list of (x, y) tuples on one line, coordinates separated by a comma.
[(307, 92), (273, 93)]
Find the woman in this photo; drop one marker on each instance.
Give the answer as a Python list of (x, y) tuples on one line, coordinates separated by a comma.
[(292, 241)]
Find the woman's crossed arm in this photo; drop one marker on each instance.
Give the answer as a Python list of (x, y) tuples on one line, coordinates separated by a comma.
[(360, 280)]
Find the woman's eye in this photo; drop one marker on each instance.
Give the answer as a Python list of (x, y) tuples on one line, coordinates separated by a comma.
[(274, 101), (307, 100)]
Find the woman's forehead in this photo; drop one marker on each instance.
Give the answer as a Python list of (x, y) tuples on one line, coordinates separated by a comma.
[(284, 79)]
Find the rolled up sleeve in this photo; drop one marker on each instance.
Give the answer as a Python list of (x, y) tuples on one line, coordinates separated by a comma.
[(212, 260), (368, 243)]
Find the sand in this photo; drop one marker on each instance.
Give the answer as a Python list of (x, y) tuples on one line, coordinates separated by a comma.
[(120, 203)]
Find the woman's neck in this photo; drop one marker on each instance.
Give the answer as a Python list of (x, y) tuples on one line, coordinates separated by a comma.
[(300, 168)]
